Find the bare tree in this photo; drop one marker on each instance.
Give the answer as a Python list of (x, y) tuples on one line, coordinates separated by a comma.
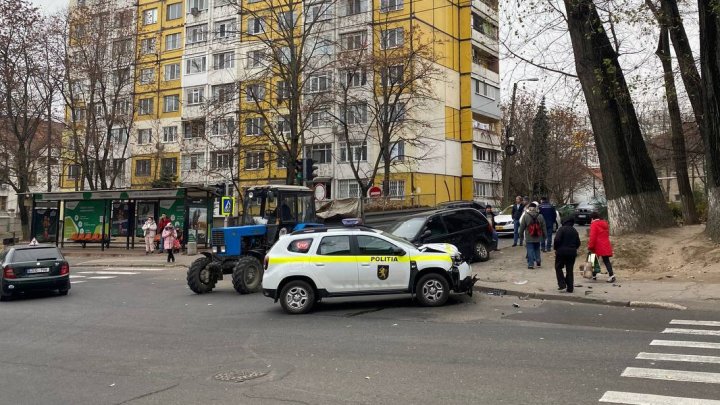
[(99, 88), (25, 97)]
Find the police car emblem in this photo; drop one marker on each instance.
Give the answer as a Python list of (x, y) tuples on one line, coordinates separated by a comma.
[(383, 272)]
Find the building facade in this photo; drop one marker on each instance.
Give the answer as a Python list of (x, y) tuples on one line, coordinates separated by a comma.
[(197, 96)]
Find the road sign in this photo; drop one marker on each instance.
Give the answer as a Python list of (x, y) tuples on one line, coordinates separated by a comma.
[(375, 192), (228, 203), (319, 191)]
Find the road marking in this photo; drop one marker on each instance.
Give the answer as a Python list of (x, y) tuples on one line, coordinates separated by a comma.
[(695, 323), (678, 357), (136, 268), (692, 331), (74, 276), (78, 282), (116, 273), (672, 375), (685, 343), (647, 399), (101, 277)]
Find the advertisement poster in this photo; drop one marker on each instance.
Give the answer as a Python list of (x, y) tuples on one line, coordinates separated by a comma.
[(144, 209), (175, 210), (120, 223), (84, 217), (198, 223), (45, 223)]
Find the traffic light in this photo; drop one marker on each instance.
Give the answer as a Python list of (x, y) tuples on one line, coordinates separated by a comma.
[(220, 189), (299, 170), (310, 169)]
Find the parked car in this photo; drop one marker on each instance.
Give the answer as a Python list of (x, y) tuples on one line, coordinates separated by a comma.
[(567, 210), (38, 267), (462, 204), (585, 209), (504, 222), (466, 228)]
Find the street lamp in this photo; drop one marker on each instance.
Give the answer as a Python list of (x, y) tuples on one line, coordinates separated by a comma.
[(511, 149)]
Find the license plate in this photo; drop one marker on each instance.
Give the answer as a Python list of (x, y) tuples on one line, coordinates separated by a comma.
[(38, 270), (581, 216), (500, 227)]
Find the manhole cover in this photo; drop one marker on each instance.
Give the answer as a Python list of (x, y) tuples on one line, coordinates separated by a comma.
[(240, 376)]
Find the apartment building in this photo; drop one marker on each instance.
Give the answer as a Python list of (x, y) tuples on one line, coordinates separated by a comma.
[(196, 88)]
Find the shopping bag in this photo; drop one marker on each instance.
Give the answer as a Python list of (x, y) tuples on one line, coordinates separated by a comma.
[(591, 267)]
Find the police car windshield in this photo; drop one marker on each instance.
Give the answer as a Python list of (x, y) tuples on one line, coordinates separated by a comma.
[(400, 241), (409, 228)]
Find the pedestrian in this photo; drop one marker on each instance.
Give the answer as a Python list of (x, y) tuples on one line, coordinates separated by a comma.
[(164, 220), (517, 210), (551, 217), (490, 215), (532, 224), (169, 235), (567, 242), (599, 243), (149, 228)]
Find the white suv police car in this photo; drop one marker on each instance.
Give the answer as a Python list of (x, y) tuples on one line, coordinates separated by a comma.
[(308, 265)]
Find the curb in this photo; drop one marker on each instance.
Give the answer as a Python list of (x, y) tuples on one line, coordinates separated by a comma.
[(157, 265), (580, 299)]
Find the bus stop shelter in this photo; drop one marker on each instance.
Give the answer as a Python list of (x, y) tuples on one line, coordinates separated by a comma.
[(105, 216)]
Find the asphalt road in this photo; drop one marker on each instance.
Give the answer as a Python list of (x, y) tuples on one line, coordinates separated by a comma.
[(139, 336)]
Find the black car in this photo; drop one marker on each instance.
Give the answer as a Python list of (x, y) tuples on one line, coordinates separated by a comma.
[(462, 204), (584, 210), (466, 228), (27, 268)]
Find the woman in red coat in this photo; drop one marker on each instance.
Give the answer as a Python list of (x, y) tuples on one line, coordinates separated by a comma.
[(600, 243)]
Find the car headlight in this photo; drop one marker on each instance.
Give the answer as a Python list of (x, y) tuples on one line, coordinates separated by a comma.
[(214, 249), (222, 249)]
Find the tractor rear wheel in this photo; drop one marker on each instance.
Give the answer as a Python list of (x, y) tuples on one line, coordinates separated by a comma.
[(201, 277), (247, 275)]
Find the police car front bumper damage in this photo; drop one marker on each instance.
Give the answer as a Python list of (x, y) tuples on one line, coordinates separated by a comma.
[(464, 285)]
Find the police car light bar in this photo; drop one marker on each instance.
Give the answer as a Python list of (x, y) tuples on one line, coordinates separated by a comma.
[(352, 221)]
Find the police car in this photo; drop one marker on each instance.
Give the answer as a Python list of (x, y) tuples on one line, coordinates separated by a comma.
[(306, 266)]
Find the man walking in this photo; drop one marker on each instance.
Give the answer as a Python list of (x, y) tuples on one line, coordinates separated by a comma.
[(532, 224), (551, 217), (517, 211), (567, 242)]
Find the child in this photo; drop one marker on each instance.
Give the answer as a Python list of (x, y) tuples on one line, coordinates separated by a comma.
[(169, 236), (567, 242)]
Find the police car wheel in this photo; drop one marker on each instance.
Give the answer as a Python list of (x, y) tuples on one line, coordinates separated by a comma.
[(297, 297), (432, 290)]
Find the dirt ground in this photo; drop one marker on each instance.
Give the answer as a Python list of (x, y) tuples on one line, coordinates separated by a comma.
[(682, 254)]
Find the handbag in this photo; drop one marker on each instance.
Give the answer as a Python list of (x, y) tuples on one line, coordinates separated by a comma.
[(592, 266)]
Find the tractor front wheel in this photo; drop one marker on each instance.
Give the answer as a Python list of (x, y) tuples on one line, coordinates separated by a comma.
[(247, 275), (201, 277)]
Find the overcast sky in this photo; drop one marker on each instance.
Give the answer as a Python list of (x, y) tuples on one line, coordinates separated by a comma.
[(50, 5)]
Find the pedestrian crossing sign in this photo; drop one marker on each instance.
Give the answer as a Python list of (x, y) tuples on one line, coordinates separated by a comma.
[(228, 203)]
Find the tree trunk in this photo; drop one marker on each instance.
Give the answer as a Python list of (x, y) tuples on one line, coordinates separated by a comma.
[(635, 200), (676, 132), (710, 67)]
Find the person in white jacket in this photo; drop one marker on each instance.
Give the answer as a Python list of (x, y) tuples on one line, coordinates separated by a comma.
[(149, 229)]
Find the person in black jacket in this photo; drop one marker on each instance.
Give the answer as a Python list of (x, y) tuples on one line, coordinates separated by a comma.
[(517, 210), (567, 242)]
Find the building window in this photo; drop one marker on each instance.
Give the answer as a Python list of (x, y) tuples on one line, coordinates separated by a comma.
[(144, 136), (353, 7), (485, 90), (223, 93), (146, 106), (193, 162), (397, 189), (390, 5), (255, 26), (222, 127), (199, 5), (172, 41), (356, 114), (147, 46), (282, 161), (225, 60), (354, 78), (486, 155), (194, 129), (196, 34), (358, 151), (3, 203), (393, 113), (174, 11), (150, 16), (73, 172), (398, 151), (348, 189), (255, 58), (254, 91), (169, 166), (320, 119), (392, 76), (484, 27), (353, 40), (283, 91), (147, 76), (221, 160), (319, 83), (195, 95), (286, 20), (195, 65), (254, 160), (484, 190), (392, 38), (172, 71), (320, 153), (318, 12), (254, 126), (78, 114), (169, 134), (283, 125), (225, 29), (142, 167), (171, 103), (119, 136)]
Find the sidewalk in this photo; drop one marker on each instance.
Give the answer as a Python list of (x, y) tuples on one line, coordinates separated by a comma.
[(120, 257), (507, 274)]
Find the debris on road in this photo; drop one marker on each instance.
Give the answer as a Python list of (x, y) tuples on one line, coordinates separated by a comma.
[(516, 305)]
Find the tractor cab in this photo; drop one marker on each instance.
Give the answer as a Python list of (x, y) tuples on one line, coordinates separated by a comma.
[(281, 209)]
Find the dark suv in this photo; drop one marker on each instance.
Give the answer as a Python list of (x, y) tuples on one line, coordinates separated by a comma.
[(466, 228), (40, 267)]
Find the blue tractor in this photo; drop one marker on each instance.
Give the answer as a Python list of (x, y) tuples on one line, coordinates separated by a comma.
[(268, 212)]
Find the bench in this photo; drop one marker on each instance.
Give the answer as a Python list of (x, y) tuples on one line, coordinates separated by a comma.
[(85, 238)]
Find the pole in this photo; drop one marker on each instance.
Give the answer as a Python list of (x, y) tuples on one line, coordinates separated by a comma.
[(508, 135)]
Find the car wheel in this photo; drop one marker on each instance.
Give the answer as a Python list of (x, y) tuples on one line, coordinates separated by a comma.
[(481, 251), (297, 297), (200, 276), (432, 290), (247, 275)]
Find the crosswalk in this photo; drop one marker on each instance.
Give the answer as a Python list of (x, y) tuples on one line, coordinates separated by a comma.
[(80, 277), (706, 353)]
